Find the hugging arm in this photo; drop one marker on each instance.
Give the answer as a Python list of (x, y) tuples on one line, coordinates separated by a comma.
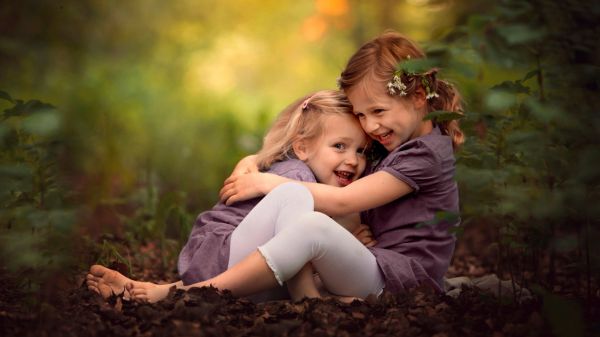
[(372, 191)]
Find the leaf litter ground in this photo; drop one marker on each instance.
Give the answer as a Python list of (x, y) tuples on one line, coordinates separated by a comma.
[(208, 312)]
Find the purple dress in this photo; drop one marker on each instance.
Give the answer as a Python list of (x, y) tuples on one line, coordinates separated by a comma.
[(206, 253), (409, 254)]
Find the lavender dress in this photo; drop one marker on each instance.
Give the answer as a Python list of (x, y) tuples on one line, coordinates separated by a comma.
[(408, 254), (206, 253)]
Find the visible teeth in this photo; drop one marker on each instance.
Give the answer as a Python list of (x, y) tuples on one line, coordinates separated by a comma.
[(344, 174)]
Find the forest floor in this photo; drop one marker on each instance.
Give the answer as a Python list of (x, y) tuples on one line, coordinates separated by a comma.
[(563, 311)]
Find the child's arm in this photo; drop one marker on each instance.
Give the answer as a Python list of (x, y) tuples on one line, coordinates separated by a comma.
[(368, 192)]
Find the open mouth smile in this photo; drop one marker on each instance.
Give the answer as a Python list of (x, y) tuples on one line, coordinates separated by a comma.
[(384, 138), (344, 177)]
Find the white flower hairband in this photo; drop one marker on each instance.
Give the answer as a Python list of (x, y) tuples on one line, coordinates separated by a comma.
[(396, 84), (411, 68)]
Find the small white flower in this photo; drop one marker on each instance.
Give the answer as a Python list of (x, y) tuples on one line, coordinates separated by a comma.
[(432, 95), (396, 84), (391, 89)]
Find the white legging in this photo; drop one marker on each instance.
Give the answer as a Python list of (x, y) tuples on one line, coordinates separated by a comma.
[(289, 233)]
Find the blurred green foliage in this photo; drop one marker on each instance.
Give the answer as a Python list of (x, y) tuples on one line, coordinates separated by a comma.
[(36, 217), (158, 100), (530, 166)]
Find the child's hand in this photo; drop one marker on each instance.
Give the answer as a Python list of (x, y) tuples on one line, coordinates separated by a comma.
[(248, 186), (244, 166), (364, 235)]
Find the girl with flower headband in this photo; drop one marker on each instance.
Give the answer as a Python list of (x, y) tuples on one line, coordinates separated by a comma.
[(315, 139), (403, 194)]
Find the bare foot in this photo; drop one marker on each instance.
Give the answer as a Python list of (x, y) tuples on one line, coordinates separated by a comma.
[(107, 282), (147, 292)]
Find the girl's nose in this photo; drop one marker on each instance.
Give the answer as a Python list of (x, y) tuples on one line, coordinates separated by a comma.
[(370, 125), (352, 159)]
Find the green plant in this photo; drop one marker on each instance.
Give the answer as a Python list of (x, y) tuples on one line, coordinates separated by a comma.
[(36, 219), (529, 167)]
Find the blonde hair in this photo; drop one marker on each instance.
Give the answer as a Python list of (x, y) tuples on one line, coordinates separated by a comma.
[(301, 120), (374, 65)]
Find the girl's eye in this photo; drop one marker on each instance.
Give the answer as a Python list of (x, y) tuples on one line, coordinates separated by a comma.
[(378, 111), (339, 146)]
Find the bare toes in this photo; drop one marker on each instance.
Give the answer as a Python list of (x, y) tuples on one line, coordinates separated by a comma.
[(140, 298), (138, 292), (98, 270), (91, 277)]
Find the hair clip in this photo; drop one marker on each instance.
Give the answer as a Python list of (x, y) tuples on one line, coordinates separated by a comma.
[(305, 104)]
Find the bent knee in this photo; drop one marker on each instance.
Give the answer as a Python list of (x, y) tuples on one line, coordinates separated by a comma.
[(291, 188), (292, 192), (317, 226)]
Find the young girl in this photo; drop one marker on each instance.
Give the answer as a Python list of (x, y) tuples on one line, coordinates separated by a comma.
[(315, 139), (408, 186)]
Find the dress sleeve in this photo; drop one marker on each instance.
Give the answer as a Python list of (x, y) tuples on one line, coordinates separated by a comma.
[(418, 166), (294, 169), (300, 175)]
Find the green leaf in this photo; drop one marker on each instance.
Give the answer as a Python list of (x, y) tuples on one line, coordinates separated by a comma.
[(513, 87), (530, 75), (42, 123), (437, 49), (441, 217), (443, 116), (23, 108), (6, 96), (416, 66)]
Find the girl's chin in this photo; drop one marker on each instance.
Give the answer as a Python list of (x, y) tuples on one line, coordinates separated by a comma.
[(391, 144), (389, 147), (387, 143)]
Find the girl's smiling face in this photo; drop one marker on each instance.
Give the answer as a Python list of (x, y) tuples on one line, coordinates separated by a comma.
[(390, 120), (337, 157)]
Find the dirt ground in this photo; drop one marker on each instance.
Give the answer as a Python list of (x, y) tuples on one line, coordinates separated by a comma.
[(419, 312)]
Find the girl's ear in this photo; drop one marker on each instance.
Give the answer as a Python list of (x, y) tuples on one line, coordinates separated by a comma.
[(300, 149), (419, 99)]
